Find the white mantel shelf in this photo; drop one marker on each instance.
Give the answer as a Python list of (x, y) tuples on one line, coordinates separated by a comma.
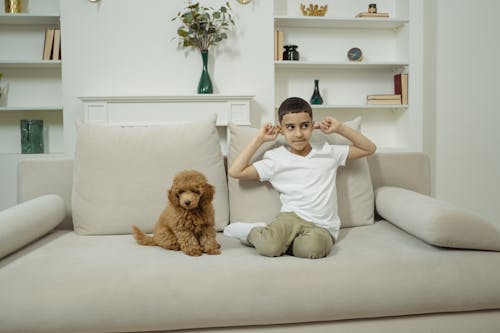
[(154, 110)]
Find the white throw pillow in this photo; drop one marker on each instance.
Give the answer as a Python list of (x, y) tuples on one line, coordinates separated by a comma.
[(122, 174), (253, 201), (436, 222)]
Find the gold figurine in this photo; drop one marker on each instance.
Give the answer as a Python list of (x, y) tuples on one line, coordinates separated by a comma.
[(313, 10)]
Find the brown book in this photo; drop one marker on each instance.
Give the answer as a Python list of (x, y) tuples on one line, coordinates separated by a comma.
[(49, 43), (57, 45), (366, 14), (280, 45), (384, 96), (384, 101), (401, 87)]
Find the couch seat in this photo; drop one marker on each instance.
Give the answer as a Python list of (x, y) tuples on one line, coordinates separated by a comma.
[(66, 282)]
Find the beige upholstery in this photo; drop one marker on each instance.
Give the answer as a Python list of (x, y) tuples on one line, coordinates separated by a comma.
[(435, 221), (109, 283), (32, 219), (122, 174)]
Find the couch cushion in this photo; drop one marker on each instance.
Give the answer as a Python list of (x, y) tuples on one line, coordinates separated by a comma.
[(122, 174), (72, 283), (435, 221), (354, 186)]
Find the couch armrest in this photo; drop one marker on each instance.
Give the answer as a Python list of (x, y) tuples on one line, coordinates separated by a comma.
[(410, 170), (434, 221), (27, 221)]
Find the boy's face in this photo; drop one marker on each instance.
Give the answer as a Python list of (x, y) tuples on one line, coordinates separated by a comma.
[(297, 129)]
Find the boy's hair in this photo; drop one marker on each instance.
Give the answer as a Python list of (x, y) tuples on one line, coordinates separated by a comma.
[(293, 105)]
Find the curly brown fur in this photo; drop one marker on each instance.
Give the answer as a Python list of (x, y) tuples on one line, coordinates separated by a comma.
[(188, 221)]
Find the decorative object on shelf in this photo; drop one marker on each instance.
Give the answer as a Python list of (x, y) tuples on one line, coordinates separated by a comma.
[(316, 96), (355, 54), (244, 2), (32, 136), (290, 52), (13, 6), (201, 28), (313, 10), (372, 12), (372, 8), (383, 99), (3, 91), (205, 84)]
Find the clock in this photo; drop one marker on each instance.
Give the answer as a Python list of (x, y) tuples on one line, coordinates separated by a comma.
[(355, 54)]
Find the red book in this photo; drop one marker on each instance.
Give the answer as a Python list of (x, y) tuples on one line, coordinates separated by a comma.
[(401, 87)]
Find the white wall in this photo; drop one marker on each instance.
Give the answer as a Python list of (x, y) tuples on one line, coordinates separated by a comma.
[(127, 47), (463, 117)]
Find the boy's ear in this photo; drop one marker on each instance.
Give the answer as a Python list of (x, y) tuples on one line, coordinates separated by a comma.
[(279, 128)]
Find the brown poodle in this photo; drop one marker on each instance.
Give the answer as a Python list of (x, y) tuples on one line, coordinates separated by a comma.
[(188, 221)]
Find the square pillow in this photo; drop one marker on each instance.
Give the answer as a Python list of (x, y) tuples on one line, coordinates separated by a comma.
[(122, 174), (254, 201)]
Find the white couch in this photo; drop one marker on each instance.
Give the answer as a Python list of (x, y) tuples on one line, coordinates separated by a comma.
[(88, 275)]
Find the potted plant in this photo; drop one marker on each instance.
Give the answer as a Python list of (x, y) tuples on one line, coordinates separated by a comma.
[(201, 28)]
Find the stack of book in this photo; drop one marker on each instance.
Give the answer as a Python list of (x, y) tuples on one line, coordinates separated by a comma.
[(366, 14), (52, 45), (384, 99), (278, 45)]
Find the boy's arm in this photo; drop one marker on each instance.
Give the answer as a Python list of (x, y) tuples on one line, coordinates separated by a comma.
[(361, 145), (241, 167)]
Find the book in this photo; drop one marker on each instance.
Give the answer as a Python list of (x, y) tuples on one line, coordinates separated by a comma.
[(48, 44), (280, 45), (401, 87), (366, 14), (384, 96), (384, 101), (275, 45), (57, 45)]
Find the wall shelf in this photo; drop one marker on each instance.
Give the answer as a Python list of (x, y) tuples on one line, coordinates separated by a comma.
[(23, 18), (30, 63), (31, 108), (338, 23), (339, 65), (356, 107)]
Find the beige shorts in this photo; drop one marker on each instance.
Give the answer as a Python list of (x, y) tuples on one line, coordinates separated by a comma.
[(290, 234)]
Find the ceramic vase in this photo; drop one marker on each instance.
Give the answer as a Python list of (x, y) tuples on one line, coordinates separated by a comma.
[(205, 84)]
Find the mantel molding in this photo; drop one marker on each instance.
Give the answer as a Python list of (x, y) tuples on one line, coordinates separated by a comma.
[(153, 110)]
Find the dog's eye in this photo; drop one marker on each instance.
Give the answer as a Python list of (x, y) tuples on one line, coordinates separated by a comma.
[(195, 191), (179, 193)]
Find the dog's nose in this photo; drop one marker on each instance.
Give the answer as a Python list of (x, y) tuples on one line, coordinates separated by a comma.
[(187, 202)]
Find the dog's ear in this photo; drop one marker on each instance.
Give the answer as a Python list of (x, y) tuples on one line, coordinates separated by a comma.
[(208, 193), (172, 197)]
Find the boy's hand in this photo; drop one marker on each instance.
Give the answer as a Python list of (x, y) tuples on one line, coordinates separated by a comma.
[(268, 132), (329, 125)]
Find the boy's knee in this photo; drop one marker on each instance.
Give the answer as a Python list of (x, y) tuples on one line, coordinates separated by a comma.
[(264, 244), (312, 245)]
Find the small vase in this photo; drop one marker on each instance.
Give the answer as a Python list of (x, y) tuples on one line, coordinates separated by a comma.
[(32, 136), (290, 52), (316, 97), (205, 84), (12, 6)]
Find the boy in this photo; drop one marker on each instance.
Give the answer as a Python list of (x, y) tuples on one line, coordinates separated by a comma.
[(305, 176)]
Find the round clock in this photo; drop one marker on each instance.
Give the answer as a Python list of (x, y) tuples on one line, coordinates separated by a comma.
[(355, 54)]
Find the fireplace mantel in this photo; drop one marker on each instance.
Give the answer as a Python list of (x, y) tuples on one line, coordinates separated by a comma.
[(154, 110)]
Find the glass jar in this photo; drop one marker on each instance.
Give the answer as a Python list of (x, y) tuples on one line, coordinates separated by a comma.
[(290, 52)]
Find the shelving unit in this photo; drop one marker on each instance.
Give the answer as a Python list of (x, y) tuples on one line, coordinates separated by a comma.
[(390, 46), (34, 89)]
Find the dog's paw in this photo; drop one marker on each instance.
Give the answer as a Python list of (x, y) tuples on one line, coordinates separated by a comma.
[(193, 252), (212, 251)]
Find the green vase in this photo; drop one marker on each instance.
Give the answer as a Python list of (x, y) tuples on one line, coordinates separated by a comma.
[(32, 136), (205, 84), (316, 97)]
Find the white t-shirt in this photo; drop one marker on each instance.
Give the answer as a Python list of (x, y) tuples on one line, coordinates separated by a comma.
[(307, 184)]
